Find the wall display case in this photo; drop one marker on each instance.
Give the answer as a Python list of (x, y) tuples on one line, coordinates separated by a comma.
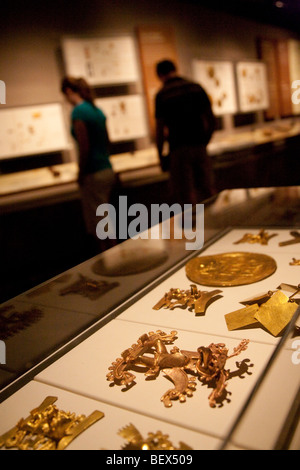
[(217, 78), (126, 117), (120, 313), (58, 176), (101, 61), (32, 130), (252, 86), (267, 151), (54, 176)]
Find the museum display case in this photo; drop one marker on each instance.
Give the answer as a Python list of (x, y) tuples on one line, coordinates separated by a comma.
[(158, 345)]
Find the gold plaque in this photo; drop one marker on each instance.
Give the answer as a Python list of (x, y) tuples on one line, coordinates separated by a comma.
[(230, 269)]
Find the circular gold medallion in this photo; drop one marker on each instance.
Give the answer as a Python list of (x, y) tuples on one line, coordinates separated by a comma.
[(230, 269)]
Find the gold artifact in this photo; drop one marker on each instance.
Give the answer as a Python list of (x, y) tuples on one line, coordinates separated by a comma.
[(150, 351), (46, 288), (295, 262), (291, 288), (47, 428), (154, 441), (89, 287), (262, 237), (230, 269), (191, 298), (273, 313), (276, 313), (295, 239), (260, 299), (12, 320), (242, 317)]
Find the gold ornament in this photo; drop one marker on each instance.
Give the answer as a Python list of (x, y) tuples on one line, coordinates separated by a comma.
[(294, 240), (47, 428), (262, 237), (13, 320), (230, 269), (273, 311), (295, 262), (89, 287), (192, 298), (150, 351), (154, 441)]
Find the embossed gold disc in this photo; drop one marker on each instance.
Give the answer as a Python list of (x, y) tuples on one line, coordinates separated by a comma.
[(230, 269)]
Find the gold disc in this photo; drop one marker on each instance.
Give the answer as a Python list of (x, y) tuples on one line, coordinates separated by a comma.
[(230, 269)]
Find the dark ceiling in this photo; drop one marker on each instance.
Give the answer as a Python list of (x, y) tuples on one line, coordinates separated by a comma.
[(283, 13)]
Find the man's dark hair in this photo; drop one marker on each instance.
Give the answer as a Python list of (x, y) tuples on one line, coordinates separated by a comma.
[(165, 67)]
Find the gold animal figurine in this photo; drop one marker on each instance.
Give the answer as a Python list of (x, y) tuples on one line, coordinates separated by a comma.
[(150, 351)]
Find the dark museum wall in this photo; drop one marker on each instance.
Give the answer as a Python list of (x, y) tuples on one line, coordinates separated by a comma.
[(31, 33)]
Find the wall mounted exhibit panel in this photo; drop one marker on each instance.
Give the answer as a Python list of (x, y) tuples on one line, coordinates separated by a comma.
[(101, 61), (126, 117), (217, 78), (252, 86), (32, 130)]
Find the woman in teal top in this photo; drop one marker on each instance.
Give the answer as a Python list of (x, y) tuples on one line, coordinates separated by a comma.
[(96, 156), (96, 177)]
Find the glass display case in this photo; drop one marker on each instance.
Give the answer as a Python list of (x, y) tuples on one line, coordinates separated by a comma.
[(191, 343)]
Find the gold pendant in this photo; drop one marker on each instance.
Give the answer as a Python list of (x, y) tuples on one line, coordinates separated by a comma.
[(295, 239), (192, 298), (262, 237), (295, 262), (154, 441), (12, 320), (181, 366), (89, 287), (47, 428), (273, 311)]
